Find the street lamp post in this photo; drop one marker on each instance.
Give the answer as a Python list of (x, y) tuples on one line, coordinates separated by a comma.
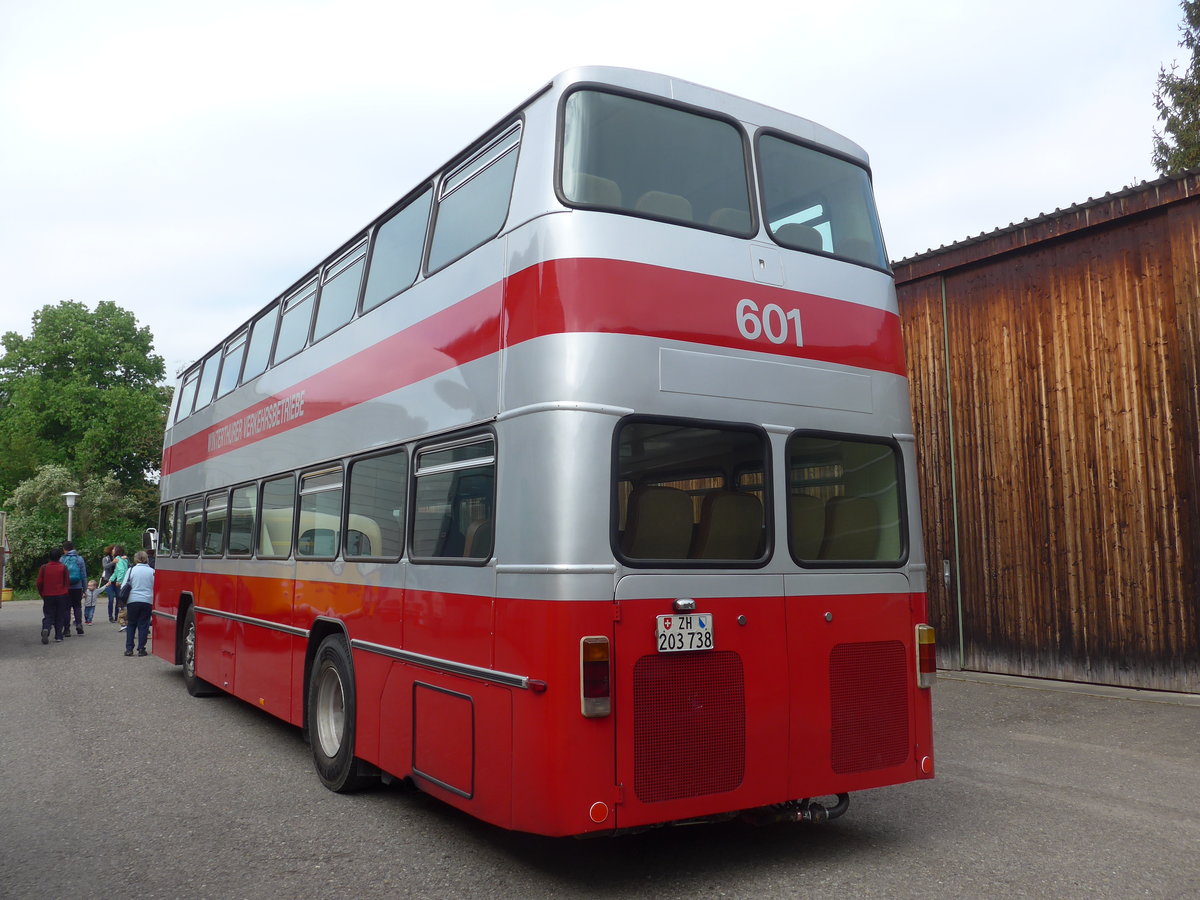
[(70, 497)]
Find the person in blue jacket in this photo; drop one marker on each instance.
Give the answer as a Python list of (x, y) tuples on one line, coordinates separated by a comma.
[(77, 569), (140, 577)]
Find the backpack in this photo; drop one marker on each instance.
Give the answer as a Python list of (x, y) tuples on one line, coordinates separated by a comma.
[(74, 564)]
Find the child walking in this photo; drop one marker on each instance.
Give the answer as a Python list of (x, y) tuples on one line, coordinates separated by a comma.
[(89, 601)]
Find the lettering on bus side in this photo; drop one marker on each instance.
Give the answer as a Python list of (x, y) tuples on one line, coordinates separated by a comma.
[(771, 322), (274, 414)]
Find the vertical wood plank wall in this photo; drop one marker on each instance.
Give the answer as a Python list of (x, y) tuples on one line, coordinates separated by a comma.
[(1054, 373)]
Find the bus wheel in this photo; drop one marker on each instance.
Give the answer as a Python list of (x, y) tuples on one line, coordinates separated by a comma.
[(331, 707), (197, 687)]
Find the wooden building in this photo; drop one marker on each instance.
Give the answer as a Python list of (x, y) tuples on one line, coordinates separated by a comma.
[(1054, 368)]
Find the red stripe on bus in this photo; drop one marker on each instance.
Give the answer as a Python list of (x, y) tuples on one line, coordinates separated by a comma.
[(468, 330), (562, 297), (610, 296)]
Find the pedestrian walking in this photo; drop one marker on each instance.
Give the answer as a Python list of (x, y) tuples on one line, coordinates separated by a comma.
[(140, 578), (78, 574), (53, 583), (120, 568), (107, 565), (89, 601)]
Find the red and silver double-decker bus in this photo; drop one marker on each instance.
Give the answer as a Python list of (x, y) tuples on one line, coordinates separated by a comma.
[(577, 488)]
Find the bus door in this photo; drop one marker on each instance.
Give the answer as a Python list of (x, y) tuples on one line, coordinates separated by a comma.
[(700, 668)]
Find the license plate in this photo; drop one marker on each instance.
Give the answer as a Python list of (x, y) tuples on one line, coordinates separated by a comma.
[(693, 631)]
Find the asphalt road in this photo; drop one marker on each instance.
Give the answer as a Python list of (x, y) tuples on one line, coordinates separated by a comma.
[(115, 783)]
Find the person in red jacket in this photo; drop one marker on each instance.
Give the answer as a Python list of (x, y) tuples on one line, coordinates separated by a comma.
[(53, 583)]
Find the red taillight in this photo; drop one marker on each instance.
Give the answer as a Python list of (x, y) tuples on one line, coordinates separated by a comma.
[(595, 679), (926, 656)]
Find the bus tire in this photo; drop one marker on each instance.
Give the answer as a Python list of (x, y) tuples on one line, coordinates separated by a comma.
[(331, 712), (196, 686)]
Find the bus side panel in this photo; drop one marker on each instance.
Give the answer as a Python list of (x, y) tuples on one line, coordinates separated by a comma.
[(215, 633), (563, 763), (455, 627), (264, 654), (378, 619), (860, 721), (169, 586), (452, 734)]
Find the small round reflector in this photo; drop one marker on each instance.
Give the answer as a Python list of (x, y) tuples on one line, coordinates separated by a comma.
[(927, 765), (598, 812)]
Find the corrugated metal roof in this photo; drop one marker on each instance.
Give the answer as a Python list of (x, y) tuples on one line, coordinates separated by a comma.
[(1090, 213)]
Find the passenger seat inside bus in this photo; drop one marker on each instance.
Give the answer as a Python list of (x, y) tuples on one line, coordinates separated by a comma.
[(807, 514), (668, 206), (731, 525), (597, 190), (851, 529), (728, 219), (658, 523), (802, 237), (478, 542)]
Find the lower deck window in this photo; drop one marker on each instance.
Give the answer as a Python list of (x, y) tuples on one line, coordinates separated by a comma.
[(844, 500), (454, 499), (682, 495)]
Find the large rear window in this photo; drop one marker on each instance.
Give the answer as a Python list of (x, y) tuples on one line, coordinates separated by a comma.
[(631, 155), (819, 203)]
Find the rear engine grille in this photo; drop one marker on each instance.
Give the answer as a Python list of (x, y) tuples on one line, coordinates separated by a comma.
[(868, 688), (689, 725)]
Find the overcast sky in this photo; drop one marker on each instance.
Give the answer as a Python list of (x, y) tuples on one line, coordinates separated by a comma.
[(189, 161)]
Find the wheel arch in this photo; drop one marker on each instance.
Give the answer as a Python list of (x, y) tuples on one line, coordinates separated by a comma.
[(321, 628), (186, 602)]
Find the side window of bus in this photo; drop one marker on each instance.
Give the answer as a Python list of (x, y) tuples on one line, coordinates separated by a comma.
[(473, 200), (679, 500), (339, 291), (216, 517), (650, 159), (454, 500), (208, 380), (231, 363), (241, 520), (396, 253), (258, 350), (294, 323), (187, 394), (193, 520), (375, 509), (166, 529), (819, 203), (319, 534), (845, 500), (278, 506)]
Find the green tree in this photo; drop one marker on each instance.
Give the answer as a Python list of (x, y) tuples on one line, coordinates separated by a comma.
[(105, 513), (1177, 100), (85, 391)]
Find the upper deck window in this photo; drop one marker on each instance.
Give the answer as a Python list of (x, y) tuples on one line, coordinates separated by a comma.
[(396, 255), (258, 351), (473, 200), (339, 291), (187, 394), (231, 364), (208, 380), (294, 322), (635, 156), (819, 203)]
